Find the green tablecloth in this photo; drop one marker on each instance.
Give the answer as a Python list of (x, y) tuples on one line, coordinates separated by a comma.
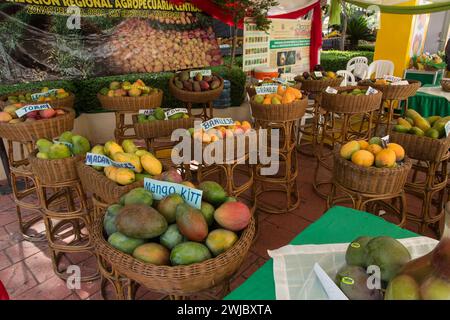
[(337, 225), (429, 105)]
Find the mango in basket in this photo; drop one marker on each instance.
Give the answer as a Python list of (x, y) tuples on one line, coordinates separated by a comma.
[(123, 243), (128, 146), (171, 237), (125, 176), (80, 144), (151, 164), (140, 222), (130, 158), (137, 196), (98, 149), (220, 240), (385, 158), (188, 253), (112, 147), (109, 220), (44, 145), (153, 253), (59, 151)]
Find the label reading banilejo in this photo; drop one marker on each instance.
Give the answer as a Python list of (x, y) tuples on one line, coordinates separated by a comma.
[(216, 122)]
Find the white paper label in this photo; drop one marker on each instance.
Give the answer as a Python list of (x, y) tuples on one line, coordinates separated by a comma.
[(205, 72), (146, 112), (266, 89), (447, 128), (216, 122), (331, 90), (30, 108), (36, 96), (161, 189), (318, 74), (400, 83), (171, 112), (371, 90), (385, 141), (56, 141), (280, 80), (100, 160), (392, 78)]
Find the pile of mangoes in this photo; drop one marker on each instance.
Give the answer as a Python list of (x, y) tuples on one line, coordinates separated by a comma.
[(159, 114), (67, 145), (282, 96), (324, 75), (170, 231), (413, 123), (221, 132), (9, 115), (371, 153), (145, 163), (199, 83), (354, 92), (26, 97), (128, 89)]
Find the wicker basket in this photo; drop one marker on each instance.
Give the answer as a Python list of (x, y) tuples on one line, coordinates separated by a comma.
[(445, 84), (350, 103), (176, 280), (131, 103), (252, 91), (316, 86), (391, 92), (67, 102), (160, 128), (379, 181), (280, 112), (195, 97), (422, 148), (34, 130), (54, 171)]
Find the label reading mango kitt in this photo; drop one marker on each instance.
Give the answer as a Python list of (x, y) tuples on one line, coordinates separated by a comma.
[(161, 189)]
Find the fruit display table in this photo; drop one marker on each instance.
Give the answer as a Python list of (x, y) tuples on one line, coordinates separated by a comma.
[(337, 225), (431, 100)]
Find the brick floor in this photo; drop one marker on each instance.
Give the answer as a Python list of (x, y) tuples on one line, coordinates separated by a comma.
[(26, 271)]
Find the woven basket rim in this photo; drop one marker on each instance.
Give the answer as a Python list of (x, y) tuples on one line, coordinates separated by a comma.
[(4, 98), (68, 112), (368, 82), (128, 97), (32, 156)]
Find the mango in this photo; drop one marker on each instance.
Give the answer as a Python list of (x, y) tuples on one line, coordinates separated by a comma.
[(128, 146), (142, 176), (66, 137), (188, 184), (140, 222), (411, 121), (401, 129), (363, 144), (109, 220), (112, 147), (59, 151), (259, 99), (432, 133), (352, 280), (141, 152), (191, 223), (399, 151), (356, 254), (170, 175), (431, 120), (417, 131), (80, 145), (171, 237), (208, 212), (348, 149), (159, 114), (385, 158), (374, 149), (98, 149), (402, 287), (419, 121), (128, 157), (220, 240), (125, 176), (111, 172), (363, 158), (153, 253), (151, 164), (137, 196), (42, 155), (404, 123), (439, 125), (168, 206), (188, 253), (234, 216), (376, 140), (213, 192), (124, 243), (44, 145), (435, 288), (275, 100)]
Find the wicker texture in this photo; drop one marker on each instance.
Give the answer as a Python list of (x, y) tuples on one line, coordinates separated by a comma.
[(96, 182), (67, 102), (34, 130), (280, 112), (176, 280), (422, 148), (350, 103), (151, 101), (391, 92), (195, 97), (445, 84), (379, 181), (52, 171), (160, 128), (316, 86)]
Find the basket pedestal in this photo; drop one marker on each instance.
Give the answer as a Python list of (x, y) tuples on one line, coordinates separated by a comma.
[(386, 115), (120, 132), (307, 132), (206, 113)]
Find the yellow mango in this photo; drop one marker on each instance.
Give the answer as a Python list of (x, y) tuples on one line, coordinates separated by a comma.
[(349, 149), (128, 157), (288, 97), (295, 92), (363, 158), (112, 147), (125, 176), (385, 158), (151, 164), (280, 90), (111, 172)]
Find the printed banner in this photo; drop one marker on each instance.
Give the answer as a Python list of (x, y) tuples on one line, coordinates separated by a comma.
[(161, 189), (99, 160), (30, 108), (216, 122), (65, 39)]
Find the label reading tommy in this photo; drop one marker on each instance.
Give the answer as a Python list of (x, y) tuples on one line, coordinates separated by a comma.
[(30, 108), (266, 89), (161, 189), (36, 96), (100, 160), (216, 122), (171, 112), (204, 72)]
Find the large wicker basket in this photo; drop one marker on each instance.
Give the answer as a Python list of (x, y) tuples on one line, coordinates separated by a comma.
[(280, 112), (376, 181), (67, 102), (445, 84), (56, 170), (195, 97), (34, 130), (160, 128), (317, 86), (391, 92), (422, 148), (151, 101), (351, 103), (252, 91), (176, 280)]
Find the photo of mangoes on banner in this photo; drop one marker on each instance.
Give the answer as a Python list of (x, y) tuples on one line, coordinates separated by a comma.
[(41, 40)]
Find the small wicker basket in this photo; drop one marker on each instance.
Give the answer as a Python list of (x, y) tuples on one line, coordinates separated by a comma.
[(252, 91), (160, 128), (280, 112), (317, 86), (67, 102), (34, 130), (422, 148), (56, 170), (391, 92), (374, 181), (131, 103), (350, 103), (445, 84), (195, 97)]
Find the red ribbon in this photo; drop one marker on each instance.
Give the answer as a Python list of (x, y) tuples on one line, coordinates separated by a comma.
[(3, 293)]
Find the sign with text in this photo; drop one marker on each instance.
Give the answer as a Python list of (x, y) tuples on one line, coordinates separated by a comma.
[(370, 91), (161, 189), (171, 112), (392, 78), (216, 122), (36, 96), (205, 72), (56, 141), (100, 160), (30, 108), (147, 112), (331, 90), (267, 89)]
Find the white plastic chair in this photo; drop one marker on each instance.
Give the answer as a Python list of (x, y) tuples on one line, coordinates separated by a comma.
[(380, 68), (349, 78), (358, 66)]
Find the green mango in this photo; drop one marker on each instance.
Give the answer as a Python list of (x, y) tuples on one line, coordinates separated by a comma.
[(109, 220), (433, 119), (59, 151), (401, 129), (142, 118), (417, 131), (159, 114), (432, 133), (66, 137), (188, 253), (44, 145), (80, 144), (124, 243)]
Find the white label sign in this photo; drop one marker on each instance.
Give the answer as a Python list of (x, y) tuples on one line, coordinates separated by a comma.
[(392, 78), (30, 108), (36, 96), (171, 112), (385, 141), (318, 74), (331, 90), (447, 128), (216, 122), (100, 160), (205, 72), (280, 80), (161, 189), (266, 89), (371, 90), (56, 141), (146, 112), (400, 83)]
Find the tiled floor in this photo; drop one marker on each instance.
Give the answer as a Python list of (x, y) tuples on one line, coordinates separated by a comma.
[(25, 267)]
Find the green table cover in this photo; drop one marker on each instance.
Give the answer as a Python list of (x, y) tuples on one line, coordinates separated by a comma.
[(429, 105), (337, 225)]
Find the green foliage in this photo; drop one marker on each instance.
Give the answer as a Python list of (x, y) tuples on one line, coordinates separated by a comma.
[(334, 60), (358, 29), (13, 28), (366, 47)]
